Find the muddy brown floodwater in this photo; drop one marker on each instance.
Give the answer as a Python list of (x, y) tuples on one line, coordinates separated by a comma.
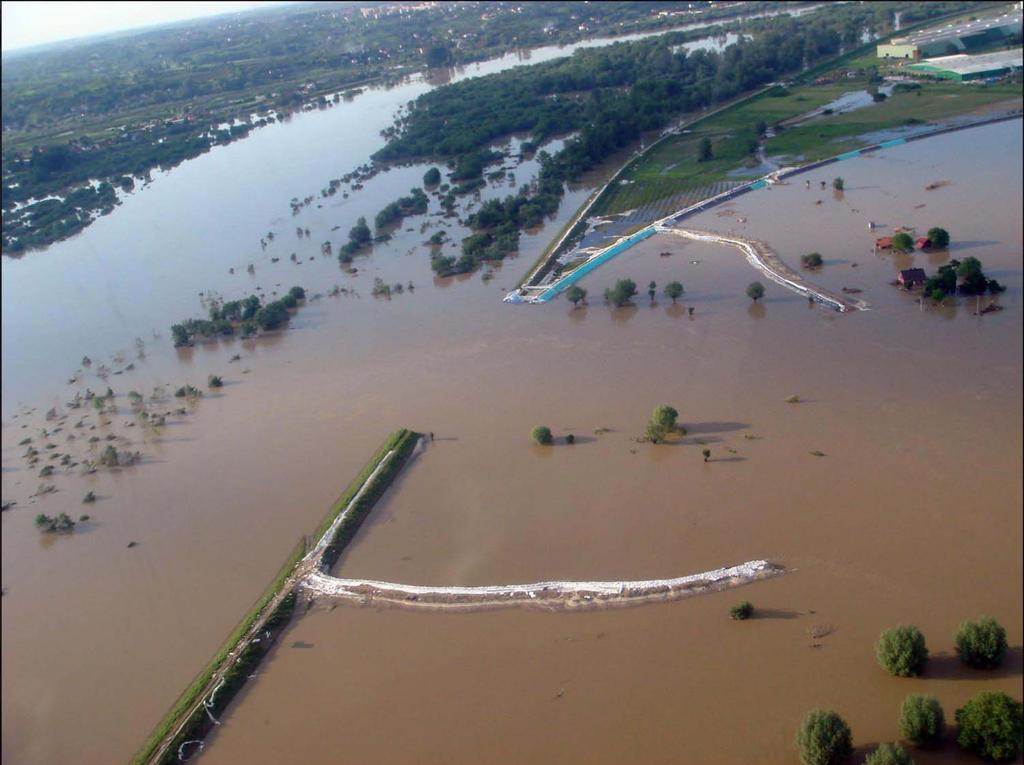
[(912, 514)]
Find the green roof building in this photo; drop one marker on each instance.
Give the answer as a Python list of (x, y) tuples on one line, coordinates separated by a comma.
[(963, 68)]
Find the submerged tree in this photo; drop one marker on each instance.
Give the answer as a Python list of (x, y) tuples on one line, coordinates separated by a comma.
[(939, 237), (902, 651), (902, 242), (674, 290), (542, 435), (622, 293), (824, 738), (575, 294), (755, 291)]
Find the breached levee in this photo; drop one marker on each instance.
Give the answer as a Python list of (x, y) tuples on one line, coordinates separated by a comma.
[(765, 260), (554, 596)]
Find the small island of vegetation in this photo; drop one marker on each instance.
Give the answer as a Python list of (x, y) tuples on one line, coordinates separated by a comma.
[(248, 317)]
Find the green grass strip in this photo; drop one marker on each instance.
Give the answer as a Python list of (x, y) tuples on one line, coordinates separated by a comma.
[(197, 686)]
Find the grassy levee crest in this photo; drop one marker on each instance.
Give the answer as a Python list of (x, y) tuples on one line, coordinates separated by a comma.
[(199, 721)]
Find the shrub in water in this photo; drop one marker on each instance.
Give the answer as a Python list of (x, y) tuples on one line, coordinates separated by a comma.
[(824, 738), (888, 754), (901, 651), (542, 435), (922, 720), (992, 726), (742, 610), (981, 644)]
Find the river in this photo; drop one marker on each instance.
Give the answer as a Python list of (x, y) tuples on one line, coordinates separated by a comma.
[(906, 403)]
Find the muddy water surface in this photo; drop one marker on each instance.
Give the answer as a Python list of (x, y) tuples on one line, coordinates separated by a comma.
[(912, 514)]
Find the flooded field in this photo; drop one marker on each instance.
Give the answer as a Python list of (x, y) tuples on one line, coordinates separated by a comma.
[(912, 514)]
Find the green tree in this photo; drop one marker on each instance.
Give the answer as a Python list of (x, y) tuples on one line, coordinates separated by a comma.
[(298, 293), (180, 335), (838, 184), (215, 381), (575, 294), (704, 153), (939, 237), (991, 725), (360, 233), (981, 644), (755, 291), (432, 177), (812, 260), (901, 651), (674, 290), (903, 242), (938, 294), (542, 435), (888, 754), (742, 611), (622, 293), (665, 416), (706, 453), (438, 55), (969, 267), (824, 738), (922, 720), (652, 290), (662, 422)]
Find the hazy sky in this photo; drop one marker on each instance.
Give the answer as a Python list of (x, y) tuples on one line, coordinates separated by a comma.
[(32, 23)]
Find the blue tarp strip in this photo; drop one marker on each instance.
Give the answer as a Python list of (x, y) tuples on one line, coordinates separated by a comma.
[(590, 265)]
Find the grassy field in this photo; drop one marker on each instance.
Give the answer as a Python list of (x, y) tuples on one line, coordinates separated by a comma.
[(933, 102), (673, 168)]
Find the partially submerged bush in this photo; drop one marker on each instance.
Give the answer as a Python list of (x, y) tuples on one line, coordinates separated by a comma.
[(542, 435), (922, 720), (992, 726), (824, 738), (811, 260), (981, 644), (901, 651), (888, 754), (742, 610), (215, 381), (60, 525)]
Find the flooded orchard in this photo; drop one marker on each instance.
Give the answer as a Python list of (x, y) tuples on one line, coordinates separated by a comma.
[(912, 514)]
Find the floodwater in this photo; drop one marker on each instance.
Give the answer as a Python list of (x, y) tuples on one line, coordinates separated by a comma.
[(911, 515)]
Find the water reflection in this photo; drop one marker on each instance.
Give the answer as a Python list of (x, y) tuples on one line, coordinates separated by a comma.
[(624, 314), (675, 310), (756, 310)]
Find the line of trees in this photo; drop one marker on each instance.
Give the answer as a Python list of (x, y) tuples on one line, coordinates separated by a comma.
[(414, 204), (246, 317)]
